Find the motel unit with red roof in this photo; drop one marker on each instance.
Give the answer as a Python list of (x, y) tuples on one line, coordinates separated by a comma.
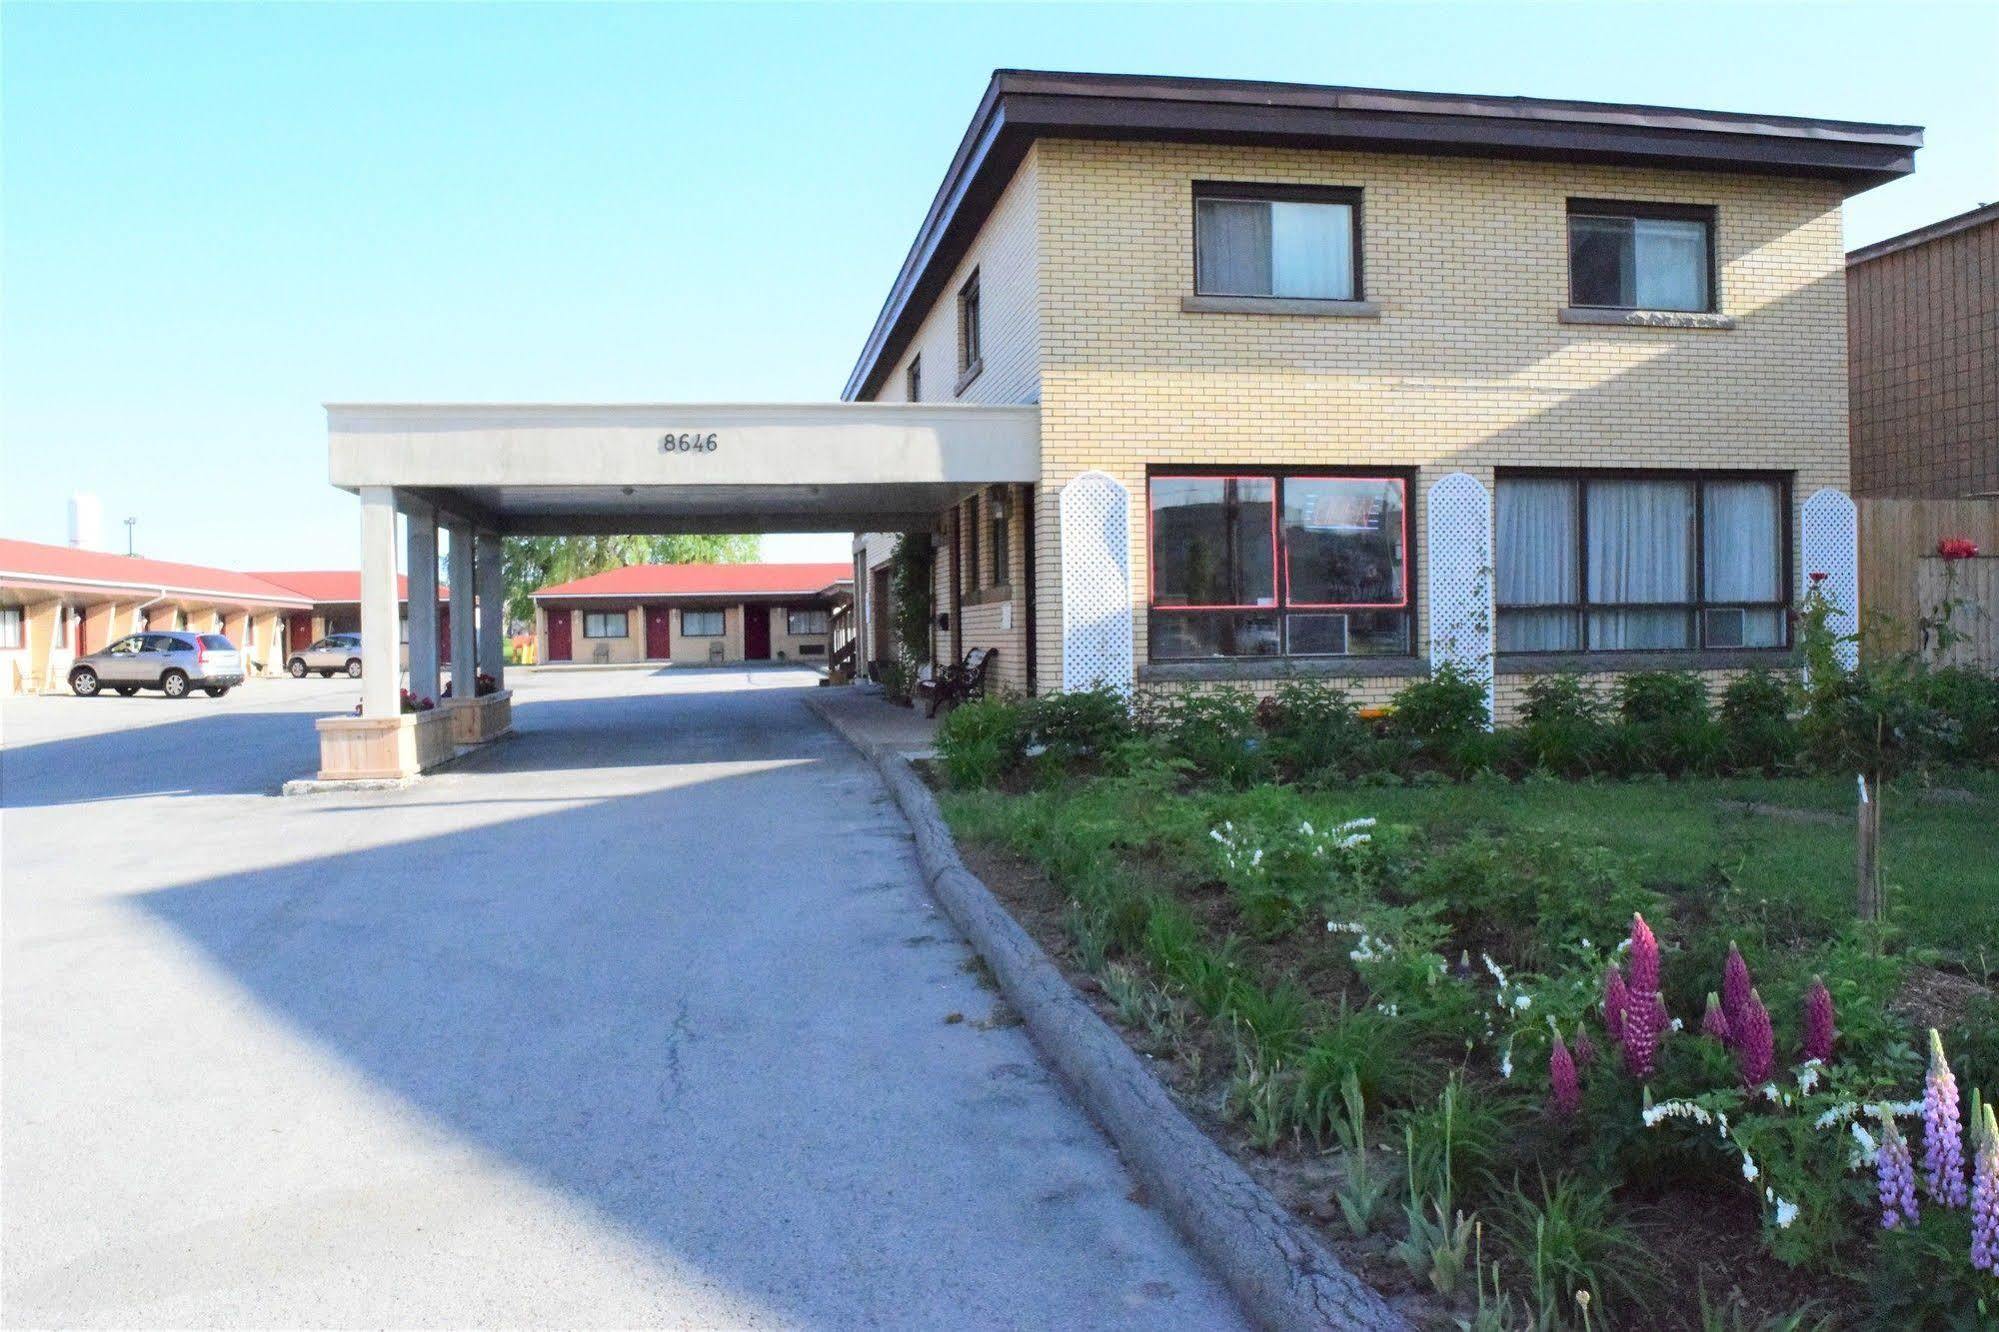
[(692, 614)]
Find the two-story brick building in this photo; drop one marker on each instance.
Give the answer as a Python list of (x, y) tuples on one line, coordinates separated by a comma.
[(1274, 318), (1196, 380)]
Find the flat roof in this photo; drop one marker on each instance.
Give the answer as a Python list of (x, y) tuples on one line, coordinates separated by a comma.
[(1021, 106), (1923, 235)]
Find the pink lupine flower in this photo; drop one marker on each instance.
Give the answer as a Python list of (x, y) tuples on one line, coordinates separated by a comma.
[(1616, 1003), (1713, 1022), (1585, 1048), (1644, 957), (1735, 989), (1943, 1147), (1895, 1177), (1755, 1044), (1820, 1031), (1644, 1028), (1566, 1094), (1985, 1195)]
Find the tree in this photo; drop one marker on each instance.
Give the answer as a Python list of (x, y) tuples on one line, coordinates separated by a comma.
[(535, 562)]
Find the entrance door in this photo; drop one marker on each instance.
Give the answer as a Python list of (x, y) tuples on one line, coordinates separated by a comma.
[(558, 635), (756, 633), (659, 633), (298, 631)]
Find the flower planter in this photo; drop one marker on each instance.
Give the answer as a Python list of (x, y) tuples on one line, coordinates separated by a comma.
[(377, 748), (474, 721)]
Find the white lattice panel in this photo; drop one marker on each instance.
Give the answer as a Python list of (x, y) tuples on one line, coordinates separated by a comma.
[(1096, 583), (1829, 543), (1460, 562)]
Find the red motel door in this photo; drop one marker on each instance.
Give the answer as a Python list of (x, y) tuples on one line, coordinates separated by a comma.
[(659, 633), (756, 633), (558, 635), (298, 631)]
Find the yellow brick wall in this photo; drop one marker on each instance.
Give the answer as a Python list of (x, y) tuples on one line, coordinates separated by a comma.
[(1466, 367)]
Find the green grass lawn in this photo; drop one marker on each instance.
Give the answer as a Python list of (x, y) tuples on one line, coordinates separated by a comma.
[(1941, 859)]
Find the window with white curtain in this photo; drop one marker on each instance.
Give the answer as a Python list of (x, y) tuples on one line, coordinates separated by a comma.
[(1644, 563), (1282, 241), (10, 627), (1641, 256), (701, 624), (606, 624)]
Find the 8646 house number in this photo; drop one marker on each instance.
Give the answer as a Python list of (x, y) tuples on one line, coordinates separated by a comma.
[(688, 441)]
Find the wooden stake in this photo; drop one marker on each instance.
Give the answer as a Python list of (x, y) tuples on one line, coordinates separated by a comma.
[(1867, 849)]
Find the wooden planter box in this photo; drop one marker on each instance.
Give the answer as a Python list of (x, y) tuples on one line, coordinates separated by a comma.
[(474, 721), (375, 748)]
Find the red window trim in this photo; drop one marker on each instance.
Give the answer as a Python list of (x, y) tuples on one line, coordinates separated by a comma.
[(1401, 485), (1151, 565)]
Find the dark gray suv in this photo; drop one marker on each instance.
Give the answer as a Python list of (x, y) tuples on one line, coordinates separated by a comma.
[(172, 663)]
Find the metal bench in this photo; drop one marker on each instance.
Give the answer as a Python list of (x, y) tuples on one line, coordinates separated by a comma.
[(957, 683)]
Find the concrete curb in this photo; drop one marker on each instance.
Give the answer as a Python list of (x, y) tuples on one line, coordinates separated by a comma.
[(1277, 1269)]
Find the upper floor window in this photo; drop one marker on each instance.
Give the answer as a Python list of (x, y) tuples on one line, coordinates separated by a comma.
[(1606, 563), (1290, 241), (1271, 564), (970, 355), (1634, 256), (913, 380)]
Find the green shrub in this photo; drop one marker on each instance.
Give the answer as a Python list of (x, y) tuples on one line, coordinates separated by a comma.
[(1664, 725), (1215, 731), (1078, 726), (1564, 1238), (1562, 727), (1757, 734), (1528, 899), (1438, 715), (1314, 731), (1654, 697), (1965, 706), (980, 741)]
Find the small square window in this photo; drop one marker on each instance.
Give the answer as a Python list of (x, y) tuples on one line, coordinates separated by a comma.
[(1292, 242), (606, 624), (701, 624), (1641, 256)]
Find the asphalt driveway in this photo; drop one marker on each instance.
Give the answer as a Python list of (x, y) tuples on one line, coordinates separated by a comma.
[(642, 1018)]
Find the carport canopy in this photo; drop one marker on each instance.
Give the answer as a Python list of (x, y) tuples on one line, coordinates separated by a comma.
[(486, 471)]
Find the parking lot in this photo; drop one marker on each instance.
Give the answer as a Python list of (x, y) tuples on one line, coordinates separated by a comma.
[(640, 1018)]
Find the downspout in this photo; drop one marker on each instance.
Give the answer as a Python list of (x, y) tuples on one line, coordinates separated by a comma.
[(1027, 559)]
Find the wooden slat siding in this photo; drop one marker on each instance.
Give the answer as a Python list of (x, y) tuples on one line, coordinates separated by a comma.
[(1896, 535), (1977, 620)]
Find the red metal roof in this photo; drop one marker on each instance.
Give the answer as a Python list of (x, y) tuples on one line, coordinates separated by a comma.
[(34, 563), (332, 586), (704, 580)]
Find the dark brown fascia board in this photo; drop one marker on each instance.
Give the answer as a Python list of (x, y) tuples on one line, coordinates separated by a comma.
[(1020, 106), (1923, 235)]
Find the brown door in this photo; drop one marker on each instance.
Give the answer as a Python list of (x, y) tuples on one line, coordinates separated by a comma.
[(83, 631), (756, 633), (558, 635), (659, 633), (298, 631)]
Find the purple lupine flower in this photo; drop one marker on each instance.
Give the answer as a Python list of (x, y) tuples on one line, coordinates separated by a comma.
[(1895, 1177), (1943, 1146), (1565, 1094), (1713, 1022), (1644, 1029), (1755, 1043), (1616, 1003), (1985, 1195), (1735, 987), (1644, 957), (1585, 1048), (1820, 1031)]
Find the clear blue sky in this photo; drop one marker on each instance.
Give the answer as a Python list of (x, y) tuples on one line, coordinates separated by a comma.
[(217, 218)]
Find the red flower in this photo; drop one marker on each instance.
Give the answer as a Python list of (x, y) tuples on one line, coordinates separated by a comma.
[(1755, 1044), (1820, 1031), (1616, 1002), (1566, 1092), (1957, 548), (1818, 575)]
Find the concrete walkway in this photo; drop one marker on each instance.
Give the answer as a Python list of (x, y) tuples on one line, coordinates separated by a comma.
[(641, 1019)]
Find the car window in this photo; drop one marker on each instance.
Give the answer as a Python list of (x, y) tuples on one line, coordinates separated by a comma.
[(165, 643), (126, 646), (217, 643)]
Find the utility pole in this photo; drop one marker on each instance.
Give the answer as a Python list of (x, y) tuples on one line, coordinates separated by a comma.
[(130, 523)]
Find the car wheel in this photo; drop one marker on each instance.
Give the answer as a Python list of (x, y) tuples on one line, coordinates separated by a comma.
[(354, 669), (83, 682), (174, 684), (215, 691), (126, 691), (297, 669)]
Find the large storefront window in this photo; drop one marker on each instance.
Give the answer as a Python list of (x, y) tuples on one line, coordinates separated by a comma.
[(1269, 564), (1638, 564)]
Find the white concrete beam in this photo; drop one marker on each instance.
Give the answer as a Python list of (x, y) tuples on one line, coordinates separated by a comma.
[(464, 644), (492, 590), (381, 678), (424, 677)]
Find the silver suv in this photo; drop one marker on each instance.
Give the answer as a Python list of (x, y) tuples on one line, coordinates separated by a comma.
[(172, 663), (329, 656)]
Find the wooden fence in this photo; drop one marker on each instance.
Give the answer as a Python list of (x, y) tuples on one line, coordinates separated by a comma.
[(1902, 580)]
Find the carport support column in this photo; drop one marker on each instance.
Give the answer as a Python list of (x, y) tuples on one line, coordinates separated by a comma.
[(464, 643), (380, 677), (492, 609), (423, 601)]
